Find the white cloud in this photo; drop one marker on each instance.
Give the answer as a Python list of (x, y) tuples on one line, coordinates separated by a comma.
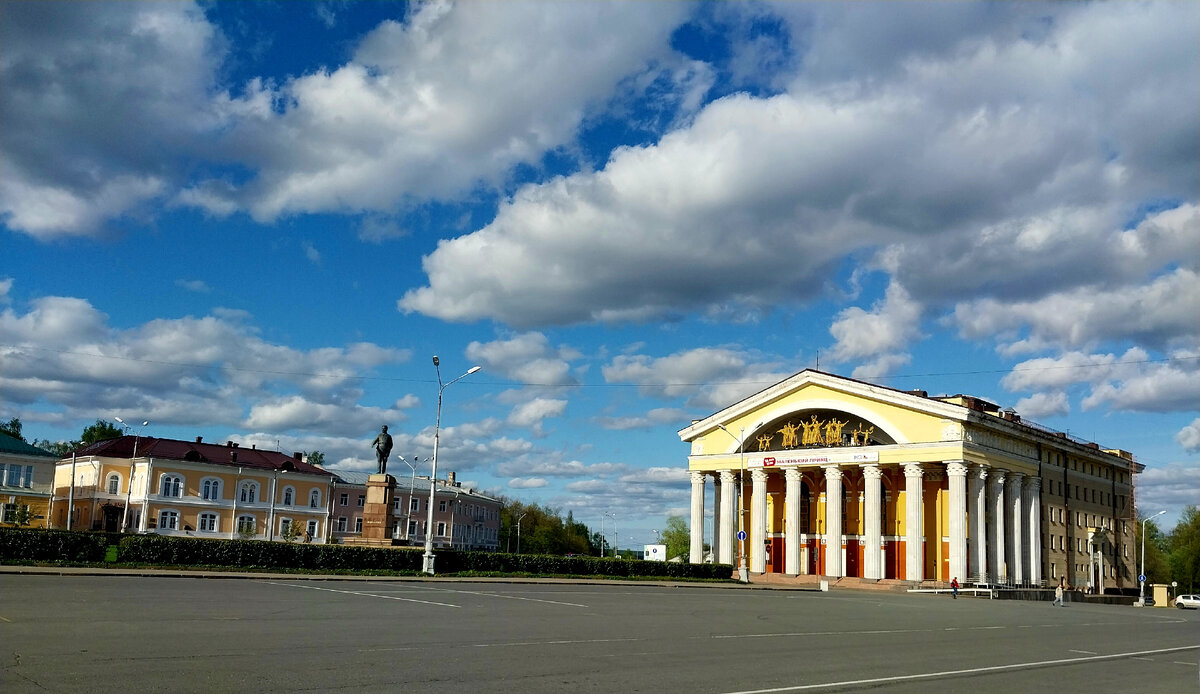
[(1171, 486), (1052, 404), (63, 355), (707, 376), (527, 483), (1152, 388), (652, 418), (527, 358), (887, 327), (1189, 437), (198, 286), (311, 252), (1158, 313), (532, 414)]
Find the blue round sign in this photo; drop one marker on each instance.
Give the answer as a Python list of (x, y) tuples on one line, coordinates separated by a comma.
[(1141, 578), (741, 535)]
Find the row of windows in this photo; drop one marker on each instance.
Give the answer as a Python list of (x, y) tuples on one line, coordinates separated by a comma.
[(1086, 468), (171, 485), (1085, 520), (14, 475), (208, 522)]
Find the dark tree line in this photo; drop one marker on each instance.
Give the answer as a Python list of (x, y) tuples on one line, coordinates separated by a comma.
[(543, 530)]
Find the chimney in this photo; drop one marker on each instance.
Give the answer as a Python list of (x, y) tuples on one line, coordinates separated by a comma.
[(233, 456), (450, 479), (298, 455), (199, 439), (229, 444)]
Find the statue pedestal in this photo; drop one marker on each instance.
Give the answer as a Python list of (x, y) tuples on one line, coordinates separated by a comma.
[(377, 510)]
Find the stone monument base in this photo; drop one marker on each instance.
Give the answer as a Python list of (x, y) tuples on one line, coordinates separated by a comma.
[(377, 510)]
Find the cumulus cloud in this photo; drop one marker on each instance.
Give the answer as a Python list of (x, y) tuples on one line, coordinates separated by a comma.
[(198, 286), (1170, 486), (533, 414), (430, 107), (1189, 437), (947, 159), (63, 355), (527, 483), (1129, 382), (527, 358), (1037, 405), (652, 418), (706, 376)]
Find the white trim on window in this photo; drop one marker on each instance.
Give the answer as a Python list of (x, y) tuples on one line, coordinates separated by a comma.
[(211, 489), (209, 522), (170, 484), (314, 499), (248, 492), (168, 519), (288, 498), (112, 484)]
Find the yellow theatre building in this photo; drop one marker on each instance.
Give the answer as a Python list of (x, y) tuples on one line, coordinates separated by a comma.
[(837, 477), (174, 487)]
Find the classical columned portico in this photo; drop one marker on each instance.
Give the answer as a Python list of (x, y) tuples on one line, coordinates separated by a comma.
[(1033, 514), (977, 514), (791, 521), (995, 512), (957, 474), (914, 550), (696, 553), (728, 525), (873, 497), (1013, 548), (717, 540), (833, 521), (758, 521)]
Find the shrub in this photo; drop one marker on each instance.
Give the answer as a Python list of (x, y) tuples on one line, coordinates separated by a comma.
[(29, 544)]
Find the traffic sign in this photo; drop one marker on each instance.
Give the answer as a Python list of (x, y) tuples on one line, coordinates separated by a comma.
[(741, 535), (1141, 578)]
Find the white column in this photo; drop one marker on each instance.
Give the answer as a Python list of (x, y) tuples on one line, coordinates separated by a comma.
[(1013, 548), (696, 555), (995, 512), (717, 540), (758, 521), (914, 555), (791, 541), (872, 559), (1033, 522), (728, 523), (833, 521), (976, 510), (957, 473)]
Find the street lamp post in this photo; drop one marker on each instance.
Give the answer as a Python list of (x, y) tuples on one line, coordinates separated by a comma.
[(1142, 573), (743, 570), (519, 531), (428, 557), (412, 486), (129, 489), (603, 536)]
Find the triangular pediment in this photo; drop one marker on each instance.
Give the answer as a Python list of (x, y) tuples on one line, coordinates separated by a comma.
[(833, 408)]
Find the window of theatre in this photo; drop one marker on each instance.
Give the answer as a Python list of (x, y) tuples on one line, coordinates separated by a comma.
[(208, 522)]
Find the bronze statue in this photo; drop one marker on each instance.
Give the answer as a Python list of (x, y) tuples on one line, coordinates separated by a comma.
[(383, 448)]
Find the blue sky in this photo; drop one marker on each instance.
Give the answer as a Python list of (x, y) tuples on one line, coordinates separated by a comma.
[(259, 221)]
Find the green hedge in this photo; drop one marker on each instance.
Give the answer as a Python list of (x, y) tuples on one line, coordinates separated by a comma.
[(191, 551), (30, 544)]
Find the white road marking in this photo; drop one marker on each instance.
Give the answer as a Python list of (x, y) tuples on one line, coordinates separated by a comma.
[(369, 595), (501, 595), (1072, 650), (970, 671)]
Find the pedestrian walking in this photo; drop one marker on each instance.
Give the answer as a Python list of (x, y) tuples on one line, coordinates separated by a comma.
[(954, 587), (1058, 596)]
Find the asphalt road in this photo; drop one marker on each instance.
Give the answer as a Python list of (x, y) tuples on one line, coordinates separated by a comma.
[(139, 634)]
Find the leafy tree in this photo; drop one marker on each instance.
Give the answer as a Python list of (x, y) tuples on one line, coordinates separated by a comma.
[(13, 428), (315, 458), (677, 538), (1184, 550), (291, 532), (100, 431), (61, 449), (22, 516)]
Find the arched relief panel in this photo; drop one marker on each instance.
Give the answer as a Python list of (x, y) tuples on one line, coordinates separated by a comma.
[(797, 424)]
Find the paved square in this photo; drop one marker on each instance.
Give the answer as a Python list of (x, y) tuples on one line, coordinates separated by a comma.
[(80, 633)]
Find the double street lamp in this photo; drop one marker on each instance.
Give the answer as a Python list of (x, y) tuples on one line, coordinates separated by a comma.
[(129, 489), (1142, 573), (428, 557)]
